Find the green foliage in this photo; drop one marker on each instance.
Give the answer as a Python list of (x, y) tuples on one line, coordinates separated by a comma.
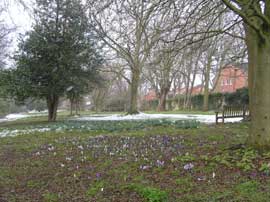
[(35, 104), (223, 159), (186, 158), (95, 188), (242, 158), (111, 126), (250, 191), (186, 124), (149, 105), (33, 184), (50, 197), (185, 184), (246, 162), (149, 193), (240, 97), (216, 137), (265, 168), (247, 188), (8, 106)]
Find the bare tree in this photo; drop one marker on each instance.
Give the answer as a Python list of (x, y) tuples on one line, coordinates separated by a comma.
[(130, 29), (162, 69)]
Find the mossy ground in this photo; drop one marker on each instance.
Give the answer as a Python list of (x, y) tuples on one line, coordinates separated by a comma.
[(137, 165)]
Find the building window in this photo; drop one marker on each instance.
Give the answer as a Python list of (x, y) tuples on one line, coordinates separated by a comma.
[(229, 82), (223, 83)]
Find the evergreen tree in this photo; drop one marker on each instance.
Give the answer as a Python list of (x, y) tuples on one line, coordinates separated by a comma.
[(57, 56)]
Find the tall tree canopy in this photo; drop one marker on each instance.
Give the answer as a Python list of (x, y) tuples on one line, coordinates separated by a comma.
[(58, 56)]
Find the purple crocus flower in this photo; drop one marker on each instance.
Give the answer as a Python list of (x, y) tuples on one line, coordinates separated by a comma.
[(188, 166), (98, 175)]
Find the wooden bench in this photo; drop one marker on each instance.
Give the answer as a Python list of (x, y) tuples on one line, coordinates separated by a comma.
[(232, 112)]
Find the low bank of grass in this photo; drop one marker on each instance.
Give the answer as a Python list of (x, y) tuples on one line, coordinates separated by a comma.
[(152, 164)]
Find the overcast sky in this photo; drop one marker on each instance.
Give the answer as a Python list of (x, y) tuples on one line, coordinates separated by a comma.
[(17, 16)]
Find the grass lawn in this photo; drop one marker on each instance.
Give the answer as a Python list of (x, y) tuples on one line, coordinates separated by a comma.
[(151, 163)]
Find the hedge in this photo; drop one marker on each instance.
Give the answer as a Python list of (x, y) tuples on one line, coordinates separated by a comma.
[(216, 100)]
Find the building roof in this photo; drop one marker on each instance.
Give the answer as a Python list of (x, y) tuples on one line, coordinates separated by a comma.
[(243, 66)]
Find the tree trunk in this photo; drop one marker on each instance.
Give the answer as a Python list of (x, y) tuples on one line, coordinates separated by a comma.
[(133, 108), (52, 104), (251, 42), (259, 70), (187, 89), (71, 100), (77, 106), (206, 85), (162, 99)]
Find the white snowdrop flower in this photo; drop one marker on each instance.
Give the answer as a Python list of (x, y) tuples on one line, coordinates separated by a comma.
[(80, 147), (74, 175), (201, 178), (37, 154), (173, 159), (51, 148), (144, 167), (68, 158), (62, 165), (102, 189), (214, 175)]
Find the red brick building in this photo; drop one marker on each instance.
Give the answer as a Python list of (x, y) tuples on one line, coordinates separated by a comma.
[(195, 90), (151, 95), (231, 78)]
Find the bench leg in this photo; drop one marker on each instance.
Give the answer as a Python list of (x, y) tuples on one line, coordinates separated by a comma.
[(216, 118)]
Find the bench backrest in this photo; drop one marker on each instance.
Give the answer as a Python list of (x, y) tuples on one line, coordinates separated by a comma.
[(235, 111)]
